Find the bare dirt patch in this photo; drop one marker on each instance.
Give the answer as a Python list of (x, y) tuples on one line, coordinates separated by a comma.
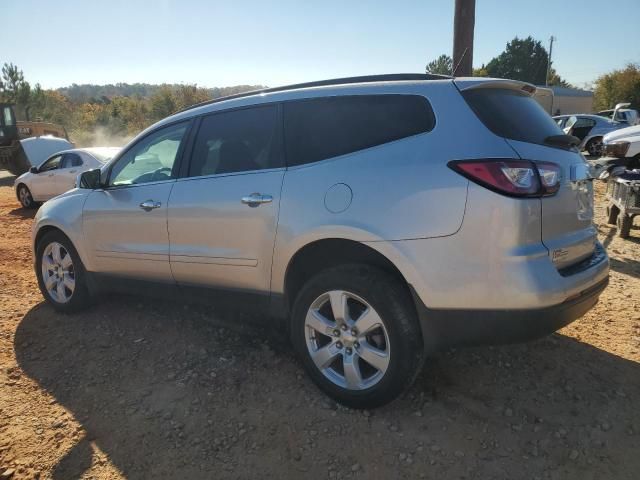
[(143, 389)]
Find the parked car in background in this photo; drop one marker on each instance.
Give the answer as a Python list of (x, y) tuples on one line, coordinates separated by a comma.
[(589, 129), (624, 144), (622, 114), (348, 218), (58, 173)]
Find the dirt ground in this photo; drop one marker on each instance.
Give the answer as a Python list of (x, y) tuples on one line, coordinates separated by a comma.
[(142, 389)]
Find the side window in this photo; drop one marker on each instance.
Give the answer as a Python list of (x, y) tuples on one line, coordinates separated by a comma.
[(8, 117), (76, 161), (71, 160), (237, 141), (317, 129), (52, 164), (152, 159)]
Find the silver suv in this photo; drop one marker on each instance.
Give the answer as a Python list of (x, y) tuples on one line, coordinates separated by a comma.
[(381, 219)]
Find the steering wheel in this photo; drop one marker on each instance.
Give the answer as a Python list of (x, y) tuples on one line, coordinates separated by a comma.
[(159, 174)]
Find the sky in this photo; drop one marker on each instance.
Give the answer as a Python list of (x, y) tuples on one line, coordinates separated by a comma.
[(222, 43)]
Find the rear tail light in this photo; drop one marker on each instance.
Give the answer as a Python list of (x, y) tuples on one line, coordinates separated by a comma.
[(514, 178), (549, 177)]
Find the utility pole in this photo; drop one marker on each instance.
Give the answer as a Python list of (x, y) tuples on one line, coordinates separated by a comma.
[(546, 80), (463, 24)]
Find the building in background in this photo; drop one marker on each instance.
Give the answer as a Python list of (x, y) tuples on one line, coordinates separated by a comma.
[(564, 101), (571, 100)]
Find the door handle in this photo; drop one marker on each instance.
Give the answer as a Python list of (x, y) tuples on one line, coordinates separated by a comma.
[(149, 205), (256, 199)]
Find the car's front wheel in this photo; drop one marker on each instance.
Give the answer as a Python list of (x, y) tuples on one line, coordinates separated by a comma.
[(25, 197), (356, 330), (61, 275)]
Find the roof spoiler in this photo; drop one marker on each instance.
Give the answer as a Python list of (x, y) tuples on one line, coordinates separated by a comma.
[(475, 83)]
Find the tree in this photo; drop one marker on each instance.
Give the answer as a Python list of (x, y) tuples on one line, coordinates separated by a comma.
[(443, 65), (188, 95), (13, 87), (480, 72), (556, 80), (618, 86), (163, 103), (526, 60)]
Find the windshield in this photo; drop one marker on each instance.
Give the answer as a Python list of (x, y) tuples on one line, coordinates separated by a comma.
[(512, 114)]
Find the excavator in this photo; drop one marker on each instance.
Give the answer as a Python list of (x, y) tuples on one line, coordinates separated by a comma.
[(12, 155)]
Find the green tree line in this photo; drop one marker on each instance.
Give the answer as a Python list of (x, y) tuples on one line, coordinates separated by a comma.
[(92, 112)]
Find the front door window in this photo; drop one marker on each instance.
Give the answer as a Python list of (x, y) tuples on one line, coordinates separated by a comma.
[(153, 159)]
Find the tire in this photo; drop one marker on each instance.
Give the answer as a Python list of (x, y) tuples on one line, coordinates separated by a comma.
[(594, 146), (71, 300), (624, 223), (396, 341), (24, 196), (612, 214)]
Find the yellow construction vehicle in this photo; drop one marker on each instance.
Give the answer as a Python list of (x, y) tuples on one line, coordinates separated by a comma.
[(12, 155)]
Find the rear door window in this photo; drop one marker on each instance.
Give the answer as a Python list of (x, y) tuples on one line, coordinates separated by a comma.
[(237, 141), (512, 114), (321, 128), (71, 160)]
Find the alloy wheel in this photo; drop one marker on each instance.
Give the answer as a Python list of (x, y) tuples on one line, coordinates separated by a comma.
[(24, 196), (58, 274), (347, 340)]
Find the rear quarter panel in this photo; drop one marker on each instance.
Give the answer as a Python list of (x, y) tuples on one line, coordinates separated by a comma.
[(400, 190)]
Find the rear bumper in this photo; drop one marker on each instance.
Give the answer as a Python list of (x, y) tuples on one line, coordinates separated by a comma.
[(443, 329)]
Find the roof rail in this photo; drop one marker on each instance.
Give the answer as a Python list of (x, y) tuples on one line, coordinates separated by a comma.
[(389, 77)]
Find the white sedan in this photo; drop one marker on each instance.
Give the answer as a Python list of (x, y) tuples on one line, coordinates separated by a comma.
[(58, 173)]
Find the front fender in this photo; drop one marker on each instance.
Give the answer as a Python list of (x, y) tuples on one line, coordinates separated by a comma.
[(65, 214)]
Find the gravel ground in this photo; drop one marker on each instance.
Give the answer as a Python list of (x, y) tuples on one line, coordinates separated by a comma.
[(143, 389)]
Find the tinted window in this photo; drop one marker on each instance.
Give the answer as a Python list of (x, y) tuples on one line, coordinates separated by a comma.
[(152, 159), (512, 114), (237, 141), (71, 160), (327, 127), (580, 122), (51, 164)]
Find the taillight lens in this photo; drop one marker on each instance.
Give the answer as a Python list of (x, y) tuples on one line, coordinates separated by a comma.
[(515, 178), (549, 177)]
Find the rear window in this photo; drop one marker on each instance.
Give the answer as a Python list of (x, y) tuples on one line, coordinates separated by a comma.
[(512, 114), (317, 129)]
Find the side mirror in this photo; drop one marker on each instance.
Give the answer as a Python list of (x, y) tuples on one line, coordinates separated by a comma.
[(89, 179), (33, 170)]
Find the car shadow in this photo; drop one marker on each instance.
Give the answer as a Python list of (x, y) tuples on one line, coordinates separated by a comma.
[(172, 391), (24, 212), (621, 264)]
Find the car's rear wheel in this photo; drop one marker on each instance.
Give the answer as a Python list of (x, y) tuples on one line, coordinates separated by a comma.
[(25, 197), (61, 275), (356, 331), (594, 146)]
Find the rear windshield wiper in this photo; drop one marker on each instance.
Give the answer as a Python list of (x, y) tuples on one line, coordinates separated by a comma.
[(564, 141)]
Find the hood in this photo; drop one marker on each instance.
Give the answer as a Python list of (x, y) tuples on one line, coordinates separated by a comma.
[(623, 133)]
